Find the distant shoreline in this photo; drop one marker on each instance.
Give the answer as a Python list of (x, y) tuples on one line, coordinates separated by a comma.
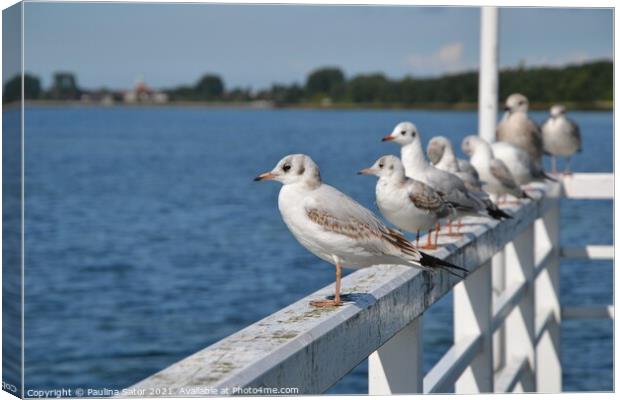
[(583, 106)]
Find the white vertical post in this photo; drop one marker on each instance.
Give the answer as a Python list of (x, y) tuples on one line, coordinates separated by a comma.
[(487, 119), (520, 328), (547, 287), (499, 285), (472, 317), (488, 75), (396, 367)]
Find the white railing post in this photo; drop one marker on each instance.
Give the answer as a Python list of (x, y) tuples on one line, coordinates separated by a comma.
[(488, 75), (488, 88), (472, 317), (498, 268), (396, 367), (520, 325), (547, 287)]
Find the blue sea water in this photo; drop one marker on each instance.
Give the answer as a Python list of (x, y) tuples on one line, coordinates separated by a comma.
[(147, 240)]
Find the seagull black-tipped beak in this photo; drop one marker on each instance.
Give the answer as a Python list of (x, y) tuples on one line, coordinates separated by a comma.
[(365, 171), (264, 177), (387, 138)]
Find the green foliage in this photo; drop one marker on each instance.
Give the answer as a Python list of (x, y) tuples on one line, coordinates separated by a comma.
[(209, 87), (326, 82), (576, 83), (282, 94), (13, 88), (65, 87), (586, 84)]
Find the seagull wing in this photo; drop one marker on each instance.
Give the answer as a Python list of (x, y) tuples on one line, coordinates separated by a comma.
[(502, 174), (536, 136), (342, 215), (424, 197), (575, 133)]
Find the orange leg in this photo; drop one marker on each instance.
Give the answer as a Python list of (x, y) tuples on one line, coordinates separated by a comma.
[(336, 301), (450, 233), (429, 242)]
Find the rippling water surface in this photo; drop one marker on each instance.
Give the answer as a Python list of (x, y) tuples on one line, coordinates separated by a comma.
[(147, 240)]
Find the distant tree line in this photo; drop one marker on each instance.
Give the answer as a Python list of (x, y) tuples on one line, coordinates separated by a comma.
[(588, 82), (64, 87)]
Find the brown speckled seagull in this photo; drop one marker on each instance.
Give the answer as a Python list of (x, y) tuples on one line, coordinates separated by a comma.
[(561, 137), (339, 230), (518, 129)]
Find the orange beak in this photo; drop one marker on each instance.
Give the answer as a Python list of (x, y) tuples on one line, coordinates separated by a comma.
[(267, 176), (365, 171), (387, 138)]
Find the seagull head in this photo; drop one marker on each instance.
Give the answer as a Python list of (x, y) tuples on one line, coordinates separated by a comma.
[(386, 167), (403, 134), (516, 102), (436, 148), (557, 110), (473, 142), (294, 168)]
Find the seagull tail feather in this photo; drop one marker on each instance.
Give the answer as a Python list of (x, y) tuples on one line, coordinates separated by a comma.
[(437, 263), (497, 213)]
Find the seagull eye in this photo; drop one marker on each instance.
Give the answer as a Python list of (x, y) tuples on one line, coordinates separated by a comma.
[(403, 133), (286, 167), (380, 165)]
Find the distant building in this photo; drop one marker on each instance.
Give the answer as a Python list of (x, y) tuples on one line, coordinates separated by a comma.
[(103, 97), (141, 93), (64, 87)]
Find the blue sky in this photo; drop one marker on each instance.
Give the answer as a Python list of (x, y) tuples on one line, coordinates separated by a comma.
[(254, 46)]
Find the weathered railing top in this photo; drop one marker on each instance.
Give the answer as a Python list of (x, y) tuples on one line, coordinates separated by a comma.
[(311, 349)]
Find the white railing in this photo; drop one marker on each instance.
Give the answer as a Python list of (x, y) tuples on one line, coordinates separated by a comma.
[(506, 337)]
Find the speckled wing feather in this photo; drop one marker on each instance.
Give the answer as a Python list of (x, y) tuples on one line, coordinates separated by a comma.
[(344, 216), (364, 232), (424, 197), (501, 172), (575, 133)]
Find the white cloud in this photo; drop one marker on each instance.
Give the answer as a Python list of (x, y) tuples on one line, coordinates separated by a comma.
[(451, 53), (447, 58)]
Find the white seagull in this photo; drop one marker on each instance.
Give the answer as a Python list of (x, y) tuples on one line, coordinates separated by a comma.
[(441, 154), (336, 228), (407, 203), (561, 137), (451, 186), (517, 128), (519, 163), (493, 172)]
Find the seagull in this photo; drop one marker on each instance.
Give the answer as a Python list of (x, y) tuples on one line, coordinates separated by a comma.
[(519, 163), (337, 229), (496, 177), (561, 137), (407, 203), (517, 128), (441, 154), (454, 190)]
